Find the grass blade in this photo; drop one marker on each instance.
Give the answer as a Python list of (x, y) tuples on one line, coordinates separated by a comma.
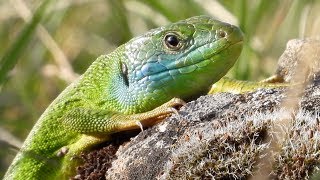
[(11, 56)]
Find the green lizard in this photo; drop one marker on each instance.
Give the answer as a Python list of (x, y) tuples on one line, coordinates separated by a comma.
[(138, 84)]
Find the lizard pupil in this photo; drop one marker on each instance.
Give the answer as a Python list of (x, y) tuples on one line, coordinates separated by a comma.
[(172, 41)]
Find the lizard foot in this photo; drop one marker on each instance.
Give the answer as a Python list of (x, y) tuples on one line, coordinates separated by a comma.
[(158, 114)]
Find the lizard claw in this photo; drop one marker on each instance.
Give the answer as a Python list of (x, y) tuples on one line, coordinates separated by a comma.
[(63, 151), (177, 102), (173, 110), (140, 125)]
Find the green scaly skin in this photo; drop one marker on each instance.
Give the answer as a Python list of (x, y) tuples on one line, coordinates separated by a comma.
[(140, 81)]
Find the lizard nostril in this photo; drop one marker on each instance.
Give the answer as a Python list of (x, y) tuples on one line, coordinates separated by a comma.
[(221, 34)]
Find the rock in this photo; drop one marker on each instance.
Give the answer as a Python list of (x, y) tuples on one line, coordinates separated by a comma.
[(269, 132), (299, 60)]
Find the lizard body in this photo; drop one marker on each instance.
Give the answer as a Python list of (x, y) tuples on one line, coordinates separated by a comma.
[(138, 83)]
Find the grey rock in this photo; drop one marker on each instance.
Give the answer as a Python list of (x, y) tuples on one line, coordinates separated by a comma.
[(272, 133)]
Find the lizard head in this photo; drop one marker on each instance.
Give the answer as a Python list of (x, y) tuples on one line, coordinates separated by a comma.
[(180, 60)]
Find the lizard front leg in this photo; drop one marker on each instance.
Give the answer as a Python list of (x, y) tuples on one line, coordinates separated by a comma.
[(95, 126), (237, 86), (96, 121)]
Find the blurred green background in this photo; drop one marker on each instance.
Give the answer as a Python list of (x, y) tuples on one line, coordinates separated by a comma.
[(45, 45)]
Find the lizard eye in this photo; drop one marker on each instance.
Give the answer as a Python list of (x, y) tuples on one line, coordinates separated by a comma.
[(172, 41)]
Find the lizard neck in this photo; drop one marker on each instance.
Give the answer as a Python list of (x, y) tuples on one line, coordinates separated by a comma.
[(109, 90)]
